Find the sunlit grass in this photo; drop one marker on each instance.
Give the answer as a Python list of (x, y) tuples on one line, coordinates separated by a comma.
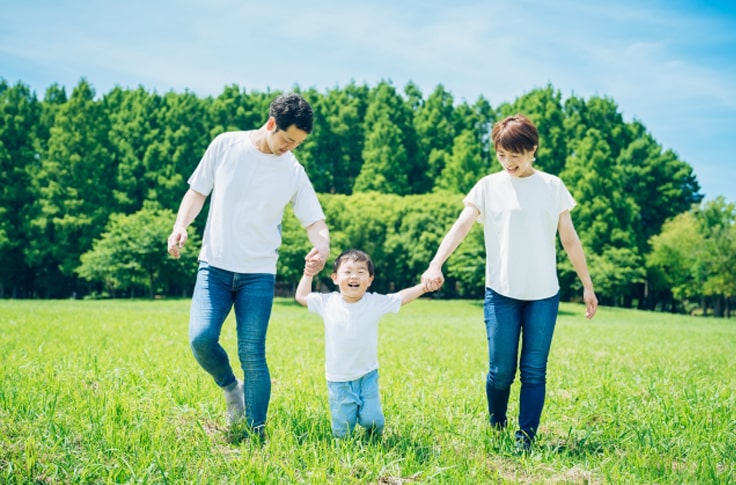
[(108, 392)]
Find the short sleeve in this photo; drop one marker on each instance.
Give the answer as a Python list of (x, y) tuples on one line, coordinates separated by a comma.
[(316, 303), (476, 198), (305, 203), (390, 303), (203, 177), (565, 200)]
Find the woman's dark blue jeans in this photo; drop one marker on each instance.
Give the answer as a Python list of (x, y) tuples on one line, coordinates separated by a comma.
[(509, 322)]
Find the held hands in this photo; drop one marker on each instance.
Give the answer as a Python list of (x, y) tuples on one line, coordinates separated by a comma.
[(432, 279), (429, 287), (314, 263), (176, 240)]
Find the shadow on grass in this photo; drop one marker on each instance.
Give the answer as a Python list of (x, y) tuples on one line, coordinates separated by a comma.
[(503, 443), (242, 433), (567, 313)]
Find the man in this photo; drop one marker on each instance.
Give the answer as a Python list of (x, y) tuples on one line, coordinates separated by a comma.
[(251, 177)]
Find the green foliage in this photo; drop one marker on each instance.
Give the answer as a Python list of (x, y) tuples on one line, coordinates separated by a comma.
[(332, 154), (68, 163), (72, 188), (400, 234), (20, 114), (695, 254), (387, 158), (131, 254), (435, 124), (465, 167)]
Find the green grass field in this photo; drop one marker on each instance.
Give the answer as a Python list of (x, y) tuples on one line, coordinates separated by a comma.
[(108, 392)]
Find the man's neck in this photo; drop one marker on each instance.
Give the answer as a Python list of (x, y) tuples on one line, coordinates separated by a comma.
[(258, 138)]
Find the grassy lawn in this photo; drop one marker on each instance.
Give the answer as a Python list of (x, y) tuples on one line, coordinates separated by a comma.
[(108, 392)]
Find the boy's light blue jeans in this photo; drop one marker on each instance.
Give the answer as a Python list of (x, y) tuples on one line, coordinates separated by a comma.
[(355, 402), (215, 293), (507, 321)]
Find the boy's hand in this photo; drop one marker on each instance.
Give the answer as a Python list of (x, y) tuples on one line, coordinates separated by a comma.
[(313, 263), (433, 279), (430, 285), (316, 258)]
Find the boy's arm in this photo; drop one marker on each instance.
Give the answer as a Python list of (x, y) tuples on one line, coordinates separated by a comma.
[(303, 289), (408, 295)]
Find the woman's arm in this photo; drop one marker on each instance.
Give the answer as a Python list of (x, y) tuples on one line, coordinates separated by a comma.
[(574, 249), (433, 276)]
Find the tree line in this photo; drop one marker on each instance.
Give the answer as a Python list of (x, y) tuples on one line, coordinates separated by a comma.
[(89, 186)]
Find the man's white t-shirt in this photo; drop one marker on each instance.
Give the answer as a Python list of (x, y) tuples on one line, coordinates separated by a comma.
[(520, 218), (351, 331), (249, 192)]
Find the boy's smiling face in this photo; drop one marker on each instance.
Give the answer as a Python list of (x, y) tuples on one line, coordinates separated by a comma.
[(353, 280)]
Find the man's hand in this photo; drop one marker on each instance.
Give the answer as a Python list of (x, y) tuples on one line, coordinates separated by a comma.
[(177, 239)]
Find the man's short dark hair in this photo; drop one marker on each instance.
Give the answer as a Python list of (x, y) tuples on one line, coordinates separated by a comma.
[(292, 109)]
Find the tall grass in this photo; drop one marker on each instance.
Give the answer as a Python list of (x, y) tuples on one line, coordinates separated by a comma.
[(108, 392)]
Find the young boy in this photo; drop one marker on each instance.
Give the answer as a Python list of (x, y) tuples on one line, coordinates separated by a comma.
[(351, 318)]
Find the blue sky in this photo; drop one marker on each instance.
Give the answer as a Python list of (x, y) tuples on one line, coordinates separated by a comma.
[(669, 64)]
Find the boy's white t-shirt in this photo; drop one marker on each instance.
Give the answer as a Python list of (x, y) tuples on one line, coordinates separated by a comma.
[(520, 218), (351, 331), (249, 192)]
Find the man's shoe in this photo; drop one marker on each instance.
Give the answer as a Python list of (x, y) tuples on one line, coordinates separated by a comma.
[(235, 400)]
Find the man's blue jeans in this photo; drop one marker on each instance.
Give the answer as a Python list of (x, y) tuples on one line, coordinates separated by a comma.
[(215, 293), (507, 322)]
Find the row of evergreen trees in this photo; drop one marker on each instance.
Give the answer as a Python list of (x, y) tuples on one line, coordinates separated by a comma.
[(74, 166)]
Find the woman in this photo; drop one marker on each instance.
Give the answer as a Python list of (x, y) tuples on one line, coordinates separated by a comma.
[(522, 210)]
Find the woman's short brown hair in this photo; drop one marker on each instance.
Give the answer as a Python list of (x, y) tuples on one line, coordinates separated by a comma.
[(515, 133)]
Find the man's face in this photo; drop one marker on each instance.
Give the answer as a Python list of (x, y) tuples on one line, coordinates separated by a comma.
[(282, 141)]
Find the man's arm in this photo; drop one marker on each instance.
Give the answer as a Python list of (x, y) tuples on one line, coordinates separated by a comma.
[(319, 236), (190, 207)]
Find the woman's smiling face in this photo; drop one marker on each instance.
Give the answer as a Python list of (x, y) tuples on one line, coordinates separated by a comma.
[(516, 164)]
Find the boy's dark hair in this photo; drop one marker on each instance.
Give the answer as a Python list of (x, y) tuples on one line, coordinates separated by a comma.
[(515, 133), (353, 255), (292, 109)]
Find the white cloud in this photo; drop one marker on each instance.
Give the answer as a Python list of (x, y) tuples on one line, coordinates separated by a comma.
[(672, 69)]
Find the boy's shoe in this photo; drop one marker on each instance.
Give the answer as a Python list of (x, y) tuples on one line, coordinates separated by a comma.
[(235, 400)]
